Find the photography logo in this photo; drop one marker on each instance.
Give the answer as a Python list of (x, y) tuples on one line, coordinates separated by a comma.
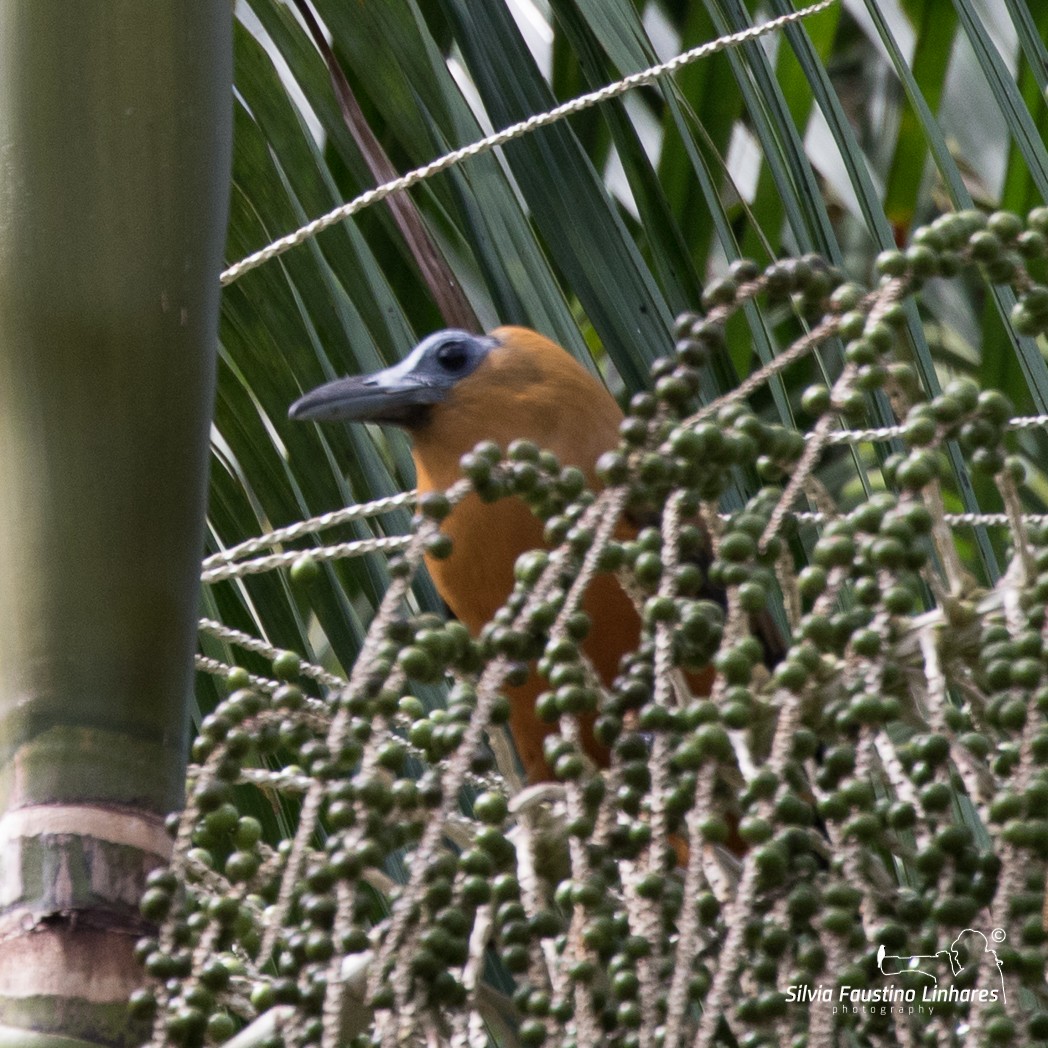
[(971, 944), (920, 991)]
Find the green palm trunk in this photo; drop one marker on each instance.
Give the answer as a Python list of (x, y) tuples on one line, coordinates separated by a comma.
[(114, 159)]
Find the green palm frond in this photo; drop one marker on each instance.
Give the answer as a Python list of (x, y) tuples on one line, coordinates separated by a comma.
[(838, 137)]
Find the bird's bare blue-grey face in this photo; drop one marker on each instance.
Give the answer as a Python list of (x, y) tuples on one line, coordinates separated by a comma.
[(401, 394)]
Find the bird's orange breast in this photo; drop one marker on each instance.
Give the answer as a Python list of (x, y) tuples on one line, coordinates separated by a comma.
[(477, 579)]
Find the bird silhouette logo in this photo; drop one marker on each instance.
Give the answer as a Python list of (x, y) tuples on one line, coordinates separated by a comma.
[(970, 947)]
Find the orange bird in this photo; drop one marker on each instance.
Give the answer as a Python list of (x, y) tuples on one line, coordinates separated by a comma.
[(453, 391)]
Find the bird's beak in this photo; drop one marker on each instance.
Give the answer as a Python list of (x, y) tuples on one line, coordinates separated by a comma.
[(396, 394)]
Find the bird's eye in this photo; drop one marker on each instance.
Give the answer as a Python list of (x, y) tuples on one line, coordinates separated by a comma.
[(452, 356)]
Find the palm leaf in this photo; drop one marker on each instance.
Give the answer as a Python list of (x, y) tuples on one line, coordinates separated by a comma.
[(596, 230)]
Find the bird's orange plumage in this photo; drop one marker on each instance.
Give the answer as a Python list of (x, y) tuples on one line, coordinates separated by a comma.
[(454, 391), (527, 388)]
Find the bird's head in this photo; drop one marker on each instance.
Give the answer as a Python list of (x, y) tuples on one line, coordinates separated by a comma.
[(405, 393), (456, 389)]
